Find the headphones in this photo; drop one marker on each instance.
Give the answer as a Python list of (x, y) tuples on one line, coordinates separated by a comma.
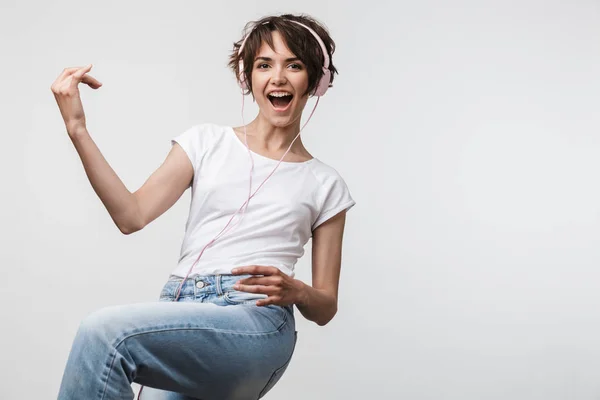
[(323, 83)]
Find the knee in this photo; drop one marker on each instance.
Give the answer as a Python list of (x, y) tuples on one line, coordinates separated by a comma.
[(100, 326)]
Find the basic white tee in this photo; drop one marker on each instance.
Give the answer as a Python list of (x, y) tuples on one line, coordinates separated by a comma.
[(280, 218)]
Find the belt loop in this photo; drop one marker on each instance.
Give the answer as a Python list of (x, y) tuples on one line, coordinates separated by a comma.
[(218, 285)]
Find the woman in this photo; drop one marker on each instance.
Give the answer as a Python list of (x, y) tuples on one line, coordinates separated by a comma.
[(224, 327)]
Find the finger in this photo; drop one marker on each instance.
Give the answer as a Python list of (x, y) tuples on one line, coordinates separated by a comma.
[(250, 281), (242, 270), (66, 72), (269, 300), (63, 75), (246, 269), (255, 270), (82, 71), (78, 76), (71, 77), (91, 81), (263, 280), (261, 289)]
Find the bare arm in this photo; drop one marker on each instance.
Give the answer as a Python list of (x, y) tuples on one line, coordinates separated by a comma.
[(133, 211), (163, 188), (129, 211), (319, 301), (117, 199)]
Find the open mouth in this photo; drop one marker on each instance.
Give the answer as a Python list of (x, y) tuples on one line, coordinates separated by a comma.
[(279, 102)]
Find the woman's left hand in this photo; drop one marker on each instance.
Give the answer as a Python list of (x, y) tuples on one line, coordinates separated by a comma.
[(280, 288)]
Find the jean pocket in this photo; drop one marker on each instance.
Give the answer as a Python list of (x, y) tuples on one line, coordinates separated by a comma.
[(279, 371), (169, 290), (238, 297)]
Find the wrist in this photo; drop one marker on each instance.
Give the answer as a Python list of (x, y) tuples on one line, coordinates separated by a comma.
[(77, 131), (302, 293)]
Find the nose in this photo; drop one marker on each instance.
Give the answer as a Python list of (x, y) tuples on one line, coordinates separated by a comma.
[(278, 77)]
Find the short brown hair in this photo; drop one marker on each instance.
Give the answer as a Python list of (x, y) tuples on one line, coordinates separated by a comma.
[(299, 40)]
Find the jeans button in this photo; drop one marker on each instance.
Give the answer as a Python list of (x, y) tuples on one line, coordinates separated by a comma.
[(200, 284)]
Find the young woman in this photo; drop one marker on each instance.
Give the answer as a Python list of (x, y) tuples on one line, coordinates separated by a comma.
[(224, 327)]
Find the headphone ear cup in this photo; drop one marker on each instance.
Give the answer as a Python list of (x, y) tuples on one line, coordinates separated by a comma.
[(242, 77), (323, 84)]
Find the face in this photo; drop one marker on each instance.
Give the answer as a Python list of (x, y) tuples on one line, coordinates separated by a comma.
[(279, 81)]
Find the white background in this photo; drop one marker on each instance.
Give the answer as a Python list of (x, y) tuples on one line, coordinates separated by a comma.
[(467, 132)]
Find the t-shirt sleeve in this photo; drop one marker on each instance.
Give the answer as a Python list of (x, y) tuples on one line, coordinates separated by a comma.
[(193, 143), (337, 199)]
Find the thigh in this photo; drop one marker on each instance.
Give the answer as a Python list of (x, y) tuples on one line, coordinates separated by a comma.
[(201, 350)]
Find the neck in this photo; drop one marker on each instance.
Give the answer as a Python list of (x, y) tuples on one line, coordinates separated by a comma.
[(274, 138)]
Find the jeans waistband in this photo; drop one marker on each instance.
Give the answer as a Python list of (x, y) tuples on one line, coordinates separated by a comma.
[(211, 288), (216, 284)]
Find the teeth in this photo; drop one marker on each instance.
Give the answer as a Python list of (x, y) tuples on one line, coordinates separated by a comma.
[(279, 94)]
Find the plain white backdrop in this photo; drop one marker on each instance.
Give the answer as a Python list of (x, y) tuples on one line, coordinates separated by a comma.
[(467, 132)]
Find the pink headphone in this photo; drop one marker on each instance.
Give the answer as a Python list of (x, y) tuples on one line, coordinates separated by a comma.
[(323, 84)]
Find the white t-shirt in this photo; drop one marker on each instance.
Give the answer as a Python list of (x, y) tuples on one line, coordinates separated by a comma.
[(280, 218)]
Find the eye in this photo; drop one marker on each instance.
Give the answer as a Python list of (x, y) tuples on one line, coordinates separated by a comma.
[(260, 66), (297, 66)]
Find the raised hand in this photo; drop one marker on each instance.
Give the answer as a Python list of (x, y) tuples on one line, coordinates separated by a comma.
[(66, 93)]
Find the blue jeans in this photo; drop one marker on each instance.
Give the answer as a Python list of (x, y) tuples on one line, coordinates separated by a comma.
[(213, 343)]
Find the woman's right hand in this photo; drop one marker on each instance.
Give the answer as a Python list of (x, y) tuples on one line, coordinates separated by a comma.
[(67, 96)]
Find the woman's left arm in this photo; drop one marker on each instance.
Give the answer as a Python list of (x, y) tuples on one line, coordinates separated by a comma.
[(318, 302)]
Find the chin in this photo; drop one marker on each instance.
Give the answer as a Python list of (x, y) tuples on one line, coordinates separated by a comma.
[(283, 121), (279, 122)]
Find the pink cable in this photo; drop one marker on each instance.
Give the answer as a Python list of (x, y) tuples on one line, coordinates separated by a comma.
[(247, 202), (249, 196)]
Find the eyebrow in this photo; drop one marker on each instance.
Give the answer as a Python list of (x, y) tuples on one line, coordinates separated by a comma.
[(270, 59)]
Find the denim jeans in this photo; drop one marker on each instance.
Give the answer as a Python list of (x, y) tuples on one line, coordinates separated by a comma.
[(213, 343)]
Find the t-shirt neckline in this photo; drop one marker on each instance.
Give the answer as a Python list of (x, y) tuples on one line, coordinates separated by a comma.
[(237, 139)]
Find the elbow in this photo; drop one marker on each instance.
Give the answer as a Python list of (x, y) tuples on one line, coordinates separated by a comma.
[(324, 322), (133, 220), (125, 230), (131, 223), (129, 229)]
